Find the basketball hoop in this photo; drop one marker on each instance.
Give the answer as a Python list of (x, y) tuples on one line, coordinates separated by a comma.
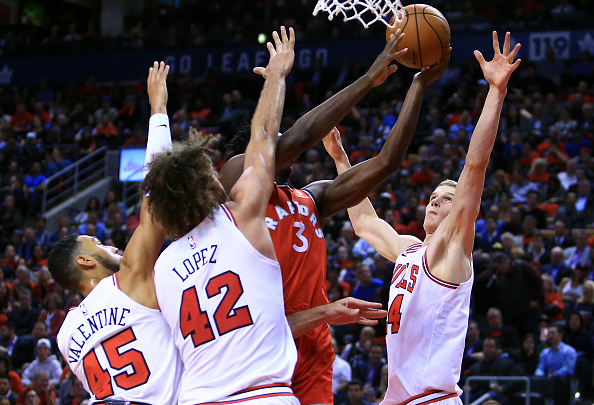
[(366, 11)]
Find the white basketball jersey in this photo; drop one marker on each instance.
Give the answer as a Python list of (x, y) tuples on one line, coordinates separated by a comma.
[(119, 349), (223, 301), (426, 329)]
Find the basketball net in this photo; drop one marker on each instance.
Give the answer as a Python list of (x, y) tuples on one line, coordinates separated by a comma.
[(366, 11)]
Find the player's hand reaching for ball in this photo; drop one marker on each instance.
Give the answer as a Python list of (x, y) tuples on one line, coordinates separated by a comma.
[(282, 54), (498, 71), (333, 144), (429, 75), (381, 68)]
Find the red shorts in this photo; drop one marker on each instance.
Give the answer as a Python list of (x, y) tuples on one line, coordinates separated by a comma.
[(312, 379)]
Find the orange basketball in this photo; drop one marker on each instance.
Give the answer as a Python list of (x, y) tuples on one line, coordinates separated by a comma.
[(427, 36)]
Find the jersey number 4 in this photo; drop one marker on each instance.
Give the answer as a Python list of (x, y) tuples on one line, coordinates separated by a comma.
[(99, 379), (193, 321), (394, 314)]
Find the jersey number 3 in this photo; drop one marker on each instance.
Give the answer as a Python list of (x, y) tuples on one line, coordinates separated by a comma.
[(99, 379), (193, 321)]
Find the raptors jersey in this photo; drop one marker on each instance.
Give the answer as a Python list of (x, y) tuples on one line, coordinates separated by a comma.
[(223, 301), (426, 328), (119, 349), (292, 219)]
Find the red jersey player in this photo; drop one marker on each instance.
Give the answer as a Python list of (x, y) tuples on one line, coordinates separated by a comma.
[(300, 213)]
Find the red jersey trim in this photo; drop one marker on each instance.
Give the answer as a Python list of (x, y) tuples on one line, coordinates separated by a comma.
[(116, 281), (229, 214), (268, 391), (437, 280), (428, 397), (247, 399), (259, 387)]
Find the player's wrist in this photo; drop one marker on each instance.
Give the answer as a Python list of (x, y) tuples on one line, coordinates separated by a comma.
[(158, 109)]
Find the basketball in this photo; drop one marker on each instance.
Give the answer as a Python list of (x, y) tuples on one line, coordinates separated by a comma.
[(427, 36)]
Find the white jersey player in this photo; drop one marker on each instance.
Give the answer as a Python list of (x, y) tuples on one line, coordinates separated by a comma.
[(115, 345), (219, 284), (116, 341), (424, 311), (230, 315), (431, 284)]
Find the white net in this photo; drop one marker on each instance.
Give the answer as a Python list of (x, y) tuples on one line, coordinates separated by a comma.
[(366, 11)]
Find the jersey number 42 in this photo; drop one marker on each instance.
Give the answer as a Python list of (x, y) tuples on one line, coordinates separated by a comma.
[(194, 322)]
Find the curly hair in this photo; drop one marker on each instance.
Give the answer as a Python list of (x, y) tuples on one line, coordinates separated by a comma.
[(179, 186), (61, 262)]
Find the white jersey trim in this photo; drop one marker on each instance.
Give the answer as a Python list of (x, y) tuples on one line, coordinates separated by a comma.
[(428, 397)]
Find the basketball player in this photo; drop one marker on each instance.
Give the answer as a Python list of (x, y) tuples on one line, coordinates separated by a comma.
[(110, 340), (432, 280), (294, 217), (219, 285)]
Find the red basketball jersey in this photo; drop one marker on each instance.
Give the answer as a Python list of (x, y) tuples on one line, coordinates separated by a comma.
[(292, 218)]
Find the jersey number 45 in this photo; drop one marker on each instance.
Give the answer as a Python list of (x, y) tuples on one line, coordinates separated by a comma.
[(99, 379)]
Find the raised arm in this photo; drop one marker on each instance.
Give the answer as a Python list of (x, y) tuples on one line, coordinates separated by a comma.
[(136, 269), (313, 126), (249, 196), (367, 225), (455, 236), (352, 186)]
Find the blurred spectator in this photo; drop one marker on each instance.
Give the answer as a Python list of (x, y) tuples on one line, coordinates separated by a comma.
[(40, 387), (5, 391), (355, 394), (24, 316), (560, 238), (368, 371), (20, 349), (578, 254), (553, 302), (367, 288), (16, 384), (341, 374), (359, 349), (578, 337), (557, 364), (53, 315), (518, 285), (493, 364), (33, 187), (45, 361), (528, 358), (507, 336), (473, 348)]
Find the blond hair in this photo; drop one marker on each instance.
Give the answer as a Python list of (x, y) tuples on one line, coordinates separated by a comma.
[(448, 182)]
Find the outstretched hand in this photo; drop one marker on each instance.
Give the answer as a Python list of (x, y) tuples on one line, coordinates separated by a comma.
[(156, 86), (381, 68), (429, 75), (333, 144), (282, 54), (353, 310), (498, 71)]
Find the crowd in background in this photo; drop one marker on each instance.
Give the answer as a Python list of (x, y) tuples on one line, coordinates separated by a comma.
[(534, 246), (67, 28)]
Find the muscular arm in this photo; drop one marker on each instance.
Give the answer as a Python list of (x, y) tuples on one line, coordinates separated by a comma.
[(313, 126), (136, 269), (353, 185), (252, 191), (455, 236)]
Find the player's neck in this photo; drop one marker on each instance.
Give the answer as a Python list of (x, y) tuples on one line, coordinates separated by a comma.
[(427, 238)]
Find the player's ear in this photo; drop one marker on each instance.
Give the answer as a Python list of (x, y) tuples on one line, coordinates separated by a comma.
[(86, 262)]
